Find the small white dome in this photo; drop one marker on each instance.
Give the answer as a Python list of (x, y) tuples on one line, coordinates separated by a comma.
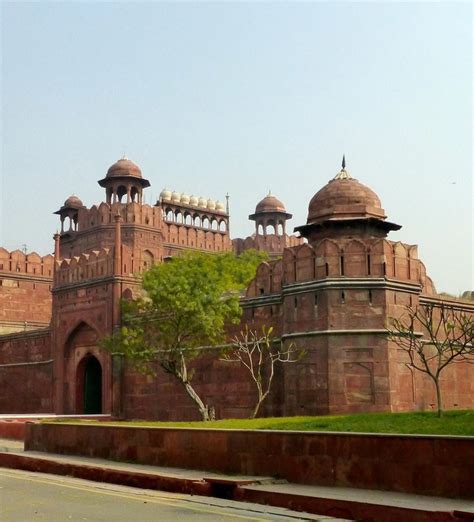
[(194, 200), (220, 205), (202, 202), (175, 197), (165, 194), (184, 198), (211, 204)]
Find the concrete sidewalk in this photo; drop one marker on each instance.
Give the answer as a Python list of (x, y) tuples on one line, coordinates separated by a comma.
[(342, 503)]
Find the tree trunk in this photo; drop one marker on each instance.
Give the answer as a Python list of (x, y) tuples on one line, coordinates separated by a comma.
[(259, 403), (204, 410), (181, 375), (438, 397)]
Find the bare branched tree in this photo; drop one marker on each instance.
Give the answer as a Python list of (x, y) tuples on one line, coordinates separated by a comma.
[(259, 353), (434, 336)]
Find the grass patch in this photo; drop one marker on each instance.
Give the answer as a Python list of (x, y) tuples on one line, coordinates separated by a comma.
[(452, 423)]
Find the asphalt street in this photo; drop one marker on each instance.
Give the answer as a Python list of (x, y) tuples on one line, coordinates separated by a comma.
[(28, 496)]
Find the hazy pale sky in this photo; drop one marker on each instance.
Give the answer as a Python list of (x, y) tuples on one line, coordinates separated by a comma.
[(210, 98)]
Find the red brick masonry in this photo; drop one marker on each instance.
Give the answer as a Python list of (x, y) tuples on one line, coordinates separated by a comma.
[(428, 465)]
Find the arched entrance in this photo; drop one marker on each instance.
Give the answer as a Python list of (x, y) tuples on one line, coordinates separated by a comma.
[(89, 385)]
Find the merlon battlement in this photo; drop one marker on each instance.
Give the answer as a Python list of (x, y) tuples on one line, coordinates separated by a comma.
[(19, 262)]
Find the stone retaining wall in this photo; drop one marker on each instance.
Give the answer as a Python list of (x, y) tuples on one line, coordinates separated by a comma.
[(428, 465)]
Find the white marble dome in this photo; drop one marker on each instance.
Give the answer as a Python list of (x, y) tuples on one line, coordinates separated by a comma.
[(194, 200), (202, 202), (211, 204), (176, 197), (220, 206), (165, 194), (185, 198)]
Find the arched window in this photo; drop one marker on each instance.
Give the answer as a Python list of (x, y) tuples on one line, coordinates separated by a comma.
[(134, 194), (121, 191), (147, 260)]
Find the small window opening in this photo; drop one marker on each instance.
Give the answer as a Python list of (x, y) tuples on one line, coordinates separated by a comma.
[(368, 264), (341, 263), (370, 296), (262, 291), (295, 302), (343, 297), (316, 299), (327, 269), (384, 266)]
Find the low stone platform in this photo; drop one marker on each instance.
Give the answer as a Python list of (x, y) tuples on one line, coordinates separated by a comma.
[(439, 466), (341, 503), (13, 426)]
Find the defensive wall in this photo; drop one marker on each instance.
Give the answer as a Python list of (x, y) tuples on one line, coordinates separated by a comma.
[(26, 372), (331, 295), (25, 290)]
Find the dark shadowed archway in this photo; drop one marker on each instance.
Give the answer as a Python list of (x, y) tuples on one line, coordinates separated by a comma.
[(89, 386)]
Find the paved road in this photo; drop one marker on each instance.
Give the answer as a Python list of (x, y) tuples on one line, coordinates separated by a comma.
[(27, 496)]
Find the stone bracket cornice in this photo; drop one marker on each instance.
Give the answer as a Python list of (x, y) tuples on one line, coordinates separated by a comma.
[(314, 333), (339, 283), (354, 331), (39, 332), (439, 301), (95, 282), (21, 276), (35, 363), (264, 300)]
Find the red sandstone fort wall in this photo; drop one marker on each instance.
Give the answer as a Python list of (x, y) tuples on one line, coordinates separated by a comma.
[(25, 290), (225, 386), (26, 373)]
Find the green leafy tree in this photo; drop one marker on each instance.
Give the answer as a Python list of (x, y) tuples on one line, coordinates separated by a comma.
[(185, 306), (434, 336)]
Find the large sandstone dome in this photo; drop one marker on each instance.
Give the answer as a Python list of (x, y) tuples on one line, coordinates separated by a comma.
[(344, 198), (124, 168), (270, 204)]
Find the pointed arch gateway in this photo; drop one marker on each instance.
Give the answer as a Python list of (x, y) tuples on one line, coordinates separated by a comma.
[(89, 386), (85, 371)]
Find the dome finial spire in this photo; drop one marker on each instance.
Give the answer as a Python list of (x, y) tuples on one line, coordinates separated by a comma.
[(343, 174)]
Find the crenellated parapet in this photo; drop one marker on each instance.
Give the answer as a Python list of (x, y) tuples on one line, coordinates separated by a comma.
[(344, 258), (131, 213), (99, 264), (274, 244), (96, 264), (28, 264), (25, 290)]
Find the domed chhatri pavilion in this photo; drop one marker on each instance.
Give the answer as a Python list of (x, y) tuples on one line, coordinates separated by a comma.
[(328, 291)]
